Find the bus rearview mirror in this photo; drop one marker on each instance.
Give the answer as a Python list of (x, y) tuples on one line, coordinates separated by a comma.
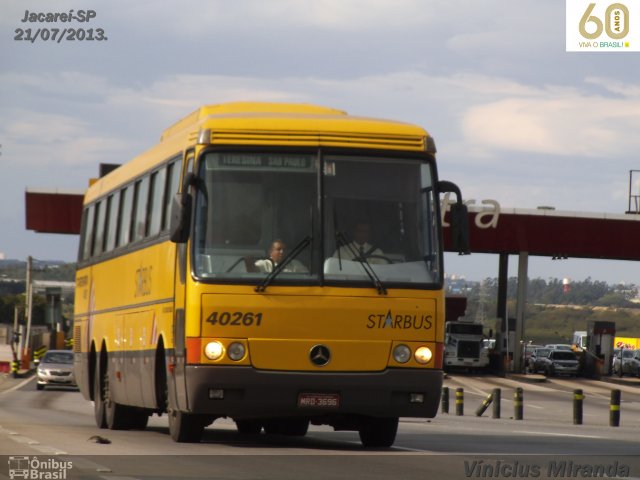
[(459, 220), (180, 217)]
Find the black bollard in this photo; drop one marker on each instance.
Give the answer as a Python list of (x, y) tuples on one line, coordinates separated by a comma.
[(496, 402), (484, 405), (518, 401), (445, 399), (578, 397), (614, 413), (459, 401)]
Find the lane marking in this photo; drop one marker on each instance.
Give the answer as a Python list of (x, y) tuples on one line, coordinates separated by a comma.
[(15, 387), (49, 450), (550, 434), (118, 477), (34, 444), (85, 464)]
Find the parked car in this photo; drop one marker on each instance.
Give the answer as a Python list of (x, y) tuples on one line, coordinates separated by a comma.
[(56, 369), (629, 363), (560, 362), (536, 360)]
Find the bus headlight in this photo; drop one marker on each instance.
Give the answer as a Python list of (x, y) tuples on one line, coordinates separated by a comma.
[(423, 355), (236, 351), (401, 354), (213, 350)]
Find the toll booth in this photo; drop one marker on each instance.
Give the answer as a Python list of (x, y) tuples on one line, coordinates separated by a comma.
[(599, 353), (53, 317), (506, 344)]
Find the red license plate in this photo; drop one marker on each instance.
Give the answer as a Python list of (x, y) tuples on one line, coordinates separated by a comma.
[(318, 400)]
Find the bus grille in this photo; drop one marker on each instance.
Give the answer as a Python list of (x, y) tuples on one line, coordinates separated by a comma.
[(468, 349)]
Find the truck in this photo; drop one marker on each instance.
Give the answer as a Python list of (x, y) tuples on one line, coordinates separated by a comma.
[(465, 345), (579, 341)]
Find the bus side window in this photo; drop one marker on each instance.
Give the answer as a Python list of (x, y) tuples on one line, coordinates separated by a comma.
[(140, 208), (99, 228), (124, 227), (87, 237), (113, 204), (173, 180), (154, 213)]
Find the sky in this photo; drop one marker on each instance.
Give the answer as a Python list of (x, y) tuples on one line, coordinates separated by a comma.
[(515, 117)]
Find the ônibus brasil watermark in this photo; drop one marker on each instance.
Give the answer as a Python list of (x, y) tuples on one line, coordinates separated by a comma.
[(34, 468)]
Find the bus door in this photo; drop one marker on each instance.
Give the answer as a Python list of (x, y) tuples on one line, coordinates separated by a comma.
[(177, 364)]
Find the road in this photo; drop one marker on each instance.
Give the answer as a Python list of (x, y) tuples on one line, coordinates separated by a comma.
[(58, 424)]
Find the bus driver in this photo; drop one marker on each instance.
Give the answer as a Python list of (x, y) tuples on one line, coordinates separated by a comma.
[(360, 248)]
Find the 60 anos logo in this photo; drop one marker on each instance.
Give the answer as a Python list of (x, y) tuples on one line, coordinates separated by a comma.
[(603, 26), (615, 22)]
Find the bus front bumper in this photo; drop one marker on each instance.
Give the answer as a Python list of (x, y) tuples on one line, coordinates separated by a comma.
[(244, 392)]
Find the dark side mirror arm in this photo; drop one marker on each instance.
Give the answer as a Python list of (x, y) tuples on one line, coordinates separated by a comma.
[(181, 207), (458, 218)]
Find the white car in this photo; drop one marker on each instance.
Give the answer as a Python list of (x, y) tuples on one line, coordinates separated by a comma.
[(560, 346), (56, 369), (630, 363)]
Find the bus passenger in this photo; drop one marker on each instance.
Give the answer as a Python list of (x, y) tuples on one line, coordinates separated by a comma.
[(275, 256)]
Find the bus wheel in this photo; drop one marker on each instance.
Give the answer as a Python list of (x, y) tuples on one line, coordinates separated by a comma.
[(273, 426), (98, 399), (378, 432), (137, 419), (249, 427), (185, 427), (116, 415), (294, 427)]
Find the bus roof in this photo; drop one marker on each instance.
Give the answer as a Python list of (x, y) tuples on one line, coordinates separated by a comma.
[(269, 124), (293, 124), (244, 109)]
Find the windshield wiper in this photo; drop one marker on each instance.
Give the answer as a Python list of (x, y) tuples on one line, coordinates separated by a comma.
[(382, 290), (262, 286)]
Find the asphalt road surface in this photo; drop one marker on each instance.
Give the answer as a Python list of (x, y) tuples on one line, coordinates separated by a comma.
[(52, 431)]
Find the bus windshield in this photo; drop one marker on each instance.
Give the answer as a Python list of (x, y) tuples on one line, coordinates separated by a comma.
[(250, 204), (381, 211), (253, 209)]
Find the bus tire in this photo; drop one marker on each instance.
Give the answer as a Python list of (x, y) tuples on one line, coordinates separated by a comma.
[(294, 427), (98, 399), (185, 427), (137, 419), (116, 415), (378, 432), (273, 426), (249, 427)]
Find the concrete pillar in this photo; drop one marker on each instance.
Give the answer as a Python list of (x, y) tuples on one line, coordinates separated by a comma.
[(523, 266)]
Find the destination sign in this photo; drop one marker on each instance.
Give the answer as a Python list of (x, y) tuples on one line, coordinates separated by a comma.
[(260, 162)]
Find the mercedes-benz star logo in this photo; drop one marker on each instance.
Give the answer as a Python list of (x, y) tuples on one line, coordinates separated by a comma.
[(320, 355)]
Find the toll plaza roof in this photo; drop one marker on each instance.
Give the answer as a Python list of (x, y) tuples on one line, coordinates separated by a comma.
[(53, 210), (553, 233)]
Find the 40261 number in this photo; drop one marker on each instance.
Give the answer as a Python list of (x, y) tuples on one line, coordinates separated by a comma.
[(235, 319)]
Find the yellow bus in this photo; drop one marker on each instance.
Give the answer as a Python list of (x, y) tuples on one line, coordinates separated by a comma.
[(181, 310)]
